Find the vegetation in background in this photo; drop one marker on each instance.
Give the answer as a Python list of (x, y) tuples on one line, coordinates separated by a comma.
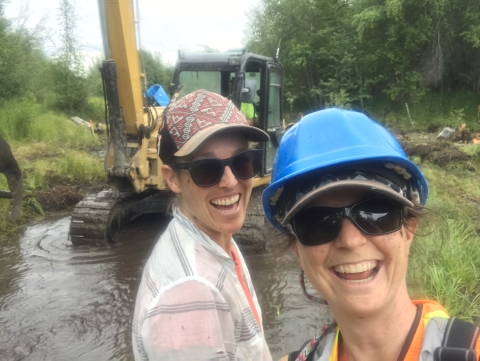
[(38, 95), (50, 150), (374, 55), (69, 75), (155, 70), (62, 82), (445, 262)]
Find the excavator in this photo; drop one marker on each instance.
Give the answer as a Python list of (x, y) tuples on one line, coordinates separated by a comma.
[(132, 163)]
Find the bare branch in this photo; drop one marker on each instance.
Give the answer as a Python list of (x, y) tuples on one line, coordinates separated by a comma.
[(433, 63)]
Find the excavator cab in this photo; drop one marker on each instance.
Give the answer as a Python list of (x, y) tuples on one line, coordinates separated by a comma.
[(253, 83)]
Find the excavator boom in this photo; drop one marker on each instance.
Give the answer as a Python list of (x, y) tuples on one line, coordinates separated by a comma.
[(132, 163)]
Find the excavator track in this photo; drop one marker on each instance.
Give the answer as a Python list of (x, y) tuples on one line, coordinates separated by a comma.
[(99, 218)]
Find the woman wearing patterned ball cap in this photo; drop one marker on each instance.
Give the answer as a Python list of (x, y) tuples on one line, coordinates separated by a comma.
[(196, 299)]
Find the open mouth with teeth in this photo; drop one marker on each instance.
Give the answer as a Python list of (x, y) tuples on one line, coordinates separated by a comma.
[(357, 273), (226, 203)]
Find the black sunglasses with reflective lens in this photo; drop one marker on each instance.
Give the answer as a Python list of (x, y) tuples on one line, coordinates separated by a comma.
[(209, 171), (373, 216)]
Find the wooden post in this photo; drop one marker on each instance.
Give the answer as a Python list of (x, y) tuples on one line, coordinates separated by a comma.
[(409, 117)]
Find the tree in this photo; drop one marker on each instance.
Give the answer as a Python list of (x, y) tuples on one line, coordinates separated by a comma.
[(352, 53), (69, 74), (318, 48), (155, 70), (22, 63)]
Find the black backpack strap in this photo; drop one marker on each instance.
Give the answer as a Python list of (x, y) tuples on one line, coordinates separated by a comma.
[(293, 355), (458, 342), (313, 342)]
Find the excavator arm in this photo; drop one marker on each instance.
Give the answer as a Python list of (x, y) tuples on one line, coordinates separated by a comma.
[(134, 126), (132, 163)]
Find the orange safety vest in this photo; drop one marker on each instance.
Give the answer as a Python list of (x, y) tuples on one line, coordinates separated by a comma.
[(430, 311)]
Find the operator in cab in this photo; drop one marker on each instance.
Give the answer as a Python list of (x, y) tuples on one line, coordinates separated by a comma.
[(196, 300), (247, 109), (350, 202)]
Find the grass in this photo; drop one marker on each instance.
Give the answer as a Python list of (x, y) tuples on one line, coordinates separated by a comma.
[(48, 147), (432, 109), (445, 264)]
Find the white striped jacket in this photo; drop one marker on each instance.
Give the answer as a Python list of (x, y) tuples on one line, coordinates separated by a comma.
[(191, 305)]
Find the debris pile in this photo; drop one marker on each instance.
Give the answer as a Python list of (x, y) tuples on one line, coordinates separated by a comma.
[(99, 128), (459, 135), (58, 198)]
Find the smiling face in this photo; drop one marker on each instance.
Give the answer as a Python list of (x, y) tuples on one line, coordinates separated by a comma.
[(219, 210), (357, 273)]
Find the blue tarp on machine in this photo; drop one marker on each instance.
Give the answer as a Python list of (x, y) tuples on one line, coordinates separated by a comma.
[(157, 93)]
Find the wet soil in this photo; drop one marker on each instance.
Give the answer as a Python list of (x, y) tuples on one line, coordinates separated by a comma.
[(59, 197), (440, 152), (60, 302), (446, 156), (257, 235)]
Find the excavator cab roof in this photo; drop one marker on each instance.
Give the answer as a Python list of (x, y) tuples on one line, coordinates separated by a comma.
[(215, 71), (226, 61)]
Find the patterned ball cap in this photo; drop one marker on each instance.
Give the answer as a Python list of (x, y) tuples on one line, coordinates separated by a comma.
[(201, 114)]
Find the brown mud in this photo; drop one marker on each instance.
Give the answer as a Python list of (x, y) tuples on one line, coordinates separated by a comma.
[(425, 146)]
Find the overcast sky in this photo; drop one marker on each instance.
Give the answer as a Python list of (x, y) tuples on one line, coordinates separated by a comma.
[(165, 25)]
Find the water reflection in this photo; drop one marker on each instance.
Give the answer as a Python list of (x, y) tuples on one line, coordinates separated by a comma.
[(289, 318), (61, 302)]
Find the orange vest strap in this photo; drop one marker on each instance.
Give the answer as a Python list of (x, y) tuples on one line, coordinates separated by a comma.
[(238, 271)]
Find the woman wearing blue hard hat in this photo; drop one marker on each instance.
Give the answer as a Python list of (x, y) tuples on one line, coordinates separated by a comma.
[(344, 189)]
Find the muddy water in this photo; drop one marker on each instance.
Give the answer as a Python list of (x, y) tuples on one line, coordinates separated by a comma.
[(59, 302)]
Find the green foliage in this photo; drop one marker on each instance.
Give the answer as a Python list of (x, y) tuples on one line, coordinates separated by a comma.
[(155, 69), (24, 120), (364, 49), (68, 72), (94, 110), (23, 67), (433, 108), (94, 79), (80, 167), (340, 99), (47, 146), (457, 117), (447, 269), (17, 118), (445, 257)]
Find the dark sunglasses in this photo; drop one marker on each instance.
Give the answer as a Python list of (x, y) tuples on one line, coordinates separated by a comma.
[(208, 172), (320, 225)]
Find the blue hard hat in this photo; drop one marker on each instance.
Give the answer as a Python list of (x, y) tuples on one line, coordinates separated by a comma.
[(334, 139)]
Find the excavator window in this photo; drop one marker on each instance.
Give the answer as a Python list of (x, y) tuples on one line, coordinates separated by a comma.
[(194, 80), (274, 115)]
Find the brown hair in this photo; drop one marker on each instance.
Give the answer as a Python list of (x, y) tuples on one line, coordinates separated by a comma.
[(167, 148)]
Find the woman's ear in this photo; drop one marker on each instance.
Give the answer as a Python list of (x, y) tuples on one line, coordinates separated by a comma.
[(410, 229), (171, 178), (294, 248)]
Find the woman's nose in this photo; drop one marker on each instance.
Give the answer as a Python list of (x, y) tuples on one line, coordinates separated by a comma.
[(228, 179), (350, 236)]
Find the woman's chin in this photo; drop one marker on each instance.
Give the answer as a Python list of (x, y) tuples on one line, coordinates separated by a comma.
[(362, 308)]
